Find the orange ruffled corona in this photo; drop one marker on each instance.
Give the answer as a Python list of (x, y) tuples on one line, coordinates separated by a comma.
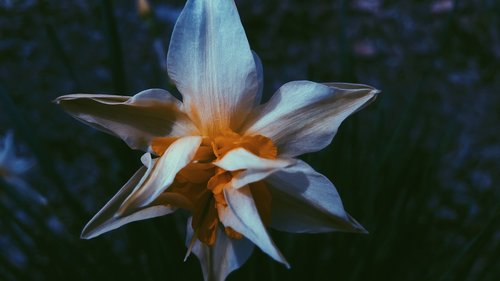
[(201, 184)]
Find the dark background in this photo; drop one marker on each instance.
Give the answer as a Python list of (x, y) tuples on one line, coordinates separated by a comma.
[(419, 168)]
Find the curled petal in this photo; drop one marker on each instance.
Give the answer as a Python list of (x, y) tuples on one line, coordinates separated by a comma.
[(106, 220), (306, 201), (222, 258), (211, 63), (304, 116), (161, 173), (254, 168), (136, 120), (241, 215)]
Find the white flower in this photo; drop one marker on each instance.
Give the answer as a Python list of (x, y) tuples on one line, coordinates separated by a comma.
[(221, 154), (13, 169), (12, 166)]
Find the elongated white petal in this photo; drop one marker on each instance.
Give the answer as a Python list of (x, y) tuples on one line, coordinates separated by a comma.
[(253, 168), (211, 63), (105, 220), (242, 215), (222, 258), (136, 120), (304, 116), (306, 201), (260, 78), (162, 173)]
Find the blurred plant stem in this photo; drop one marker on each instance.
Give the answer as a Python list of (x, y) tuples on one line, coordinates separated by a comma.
[(347, 72), (155, 28), (115, 52), (462, 265), (56, 43), (62, 55)]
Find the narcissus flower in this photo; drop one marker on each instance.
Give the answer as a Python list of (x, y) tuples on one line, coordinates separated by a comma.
[(219, 153)]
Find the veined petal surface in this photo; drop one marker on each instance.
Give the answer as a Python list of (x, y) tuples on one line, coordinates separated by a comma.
[(304, 116), (222, 258), (211, 63), (136, 120), (306, 201)]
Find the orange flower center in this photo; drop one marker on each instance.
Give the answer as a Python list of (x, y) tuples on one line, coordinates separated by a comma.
[(201, 184)]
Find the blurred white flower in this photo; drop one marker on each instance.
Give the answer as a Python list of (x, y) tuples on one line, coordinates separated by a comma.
[(12, 166), (221, 154)]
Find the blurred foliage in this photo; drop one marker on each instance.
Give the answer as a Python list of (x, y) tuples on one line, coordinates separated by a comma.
[(418, 168)]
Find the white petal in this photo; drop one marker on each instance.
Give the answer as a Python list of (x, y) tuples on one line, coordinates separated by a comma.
[(105, 220), (254, 168), (306, 201), (162, 173), (242, 215), (304, 116), (136, 120), (260, 78), (211, 63), (221, 259)]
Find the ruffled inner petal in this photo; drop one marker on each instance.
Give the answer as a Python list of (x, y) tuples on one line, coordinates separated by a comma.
[(199, 186)]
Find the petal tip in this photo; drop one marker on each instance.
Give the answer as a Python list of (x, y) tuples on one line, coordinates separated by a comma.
[(357, 227), (59, 99), (375, 92), (87, 234), (361, 230)]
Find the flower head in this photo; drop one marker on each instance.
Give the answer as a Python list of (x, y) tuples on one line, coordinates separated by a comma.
[(12, 166), (219, 153)]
